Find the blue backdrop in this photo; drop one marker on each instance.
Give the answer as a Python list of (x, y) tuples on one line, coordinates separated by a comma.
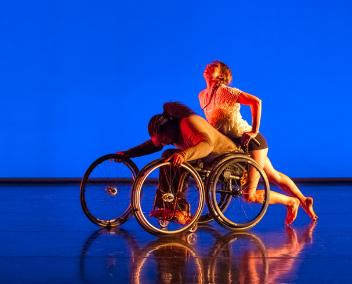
[(81, 78)]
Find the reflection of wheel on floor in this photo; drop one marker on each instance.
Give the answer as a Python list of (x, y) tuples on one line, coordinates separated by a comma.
[(227, 186), (168, 260), (106, 190), (107, 255), (163, 203), (238, 258)]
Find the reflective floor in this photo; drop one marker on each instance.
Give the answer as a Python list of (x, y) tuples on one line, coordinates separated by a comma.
[(45, 238)]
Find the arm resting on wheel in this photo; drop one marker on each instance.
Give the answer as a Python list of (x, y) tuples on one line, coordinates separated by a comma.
[(143, 149)]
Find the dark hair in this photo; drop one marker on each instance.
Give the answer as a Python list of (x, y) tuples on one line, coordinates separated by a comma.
[(156, 124), (176, 110), (173, 113), (225, 76)]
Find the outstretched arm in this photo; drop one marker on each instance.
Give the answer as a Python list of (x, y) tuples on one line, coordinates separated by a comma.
[(143, 149)]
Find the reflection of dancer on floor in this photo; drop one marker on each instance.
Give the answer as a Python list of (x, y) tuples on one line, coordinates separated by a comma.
[(221, 105), (282, 259)]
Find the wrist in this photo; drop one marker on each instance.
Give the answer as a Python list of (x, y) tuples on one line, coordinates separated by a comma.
[(183, 154), (124, 154)]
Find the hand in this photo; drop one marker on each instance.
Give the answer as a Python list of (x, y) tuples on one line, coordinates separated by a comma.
[(122, 157), (176, 159), (247, 136)]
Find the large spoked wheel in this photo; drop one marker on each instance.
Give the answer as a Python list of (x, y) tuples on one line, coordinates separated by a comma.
[(164, 203), (106, 190), (228, 186)]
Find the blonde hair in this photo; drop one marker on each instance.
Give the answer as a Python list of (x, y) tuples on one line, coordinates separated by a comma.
[(225, 76)]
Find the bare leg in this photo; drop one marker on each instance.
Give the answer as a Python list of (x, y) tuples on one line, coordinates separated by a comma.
[(287, 185), (254, 195)]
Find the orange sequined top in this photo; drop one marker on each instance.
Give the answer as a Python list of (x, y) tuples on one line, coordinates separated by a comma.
[(222, 110)]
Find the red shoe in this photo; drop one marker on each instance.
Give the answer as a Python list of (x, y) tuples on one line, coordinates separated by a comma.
[(163, 213), (181, 217)]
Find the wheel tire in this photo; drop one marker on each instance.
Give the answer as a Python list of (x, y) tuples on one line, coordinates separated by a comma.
[(104, 194)]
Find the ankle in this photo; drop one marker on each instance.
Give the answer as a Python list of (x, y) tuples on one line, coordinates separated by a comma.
[(293, 202)]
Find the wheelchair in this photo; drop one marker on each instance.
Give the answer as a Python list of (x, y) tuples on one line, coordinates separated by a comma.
[(108, 201)]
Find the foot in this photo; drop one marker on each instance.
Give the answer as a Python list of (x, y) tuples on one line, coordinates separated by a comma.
[(292, 210), (182, 217), (307, 205)]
